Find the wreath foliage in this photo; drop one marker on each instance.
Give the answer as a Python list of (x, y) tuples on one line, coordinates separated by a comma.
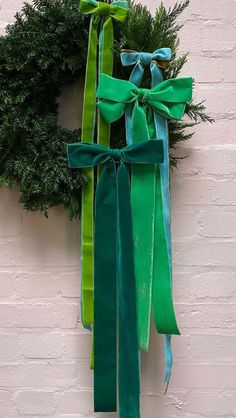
[(44, 50)]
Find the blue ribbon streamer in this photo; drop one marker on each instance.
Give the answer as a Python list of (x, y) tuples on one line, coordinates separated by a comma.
[(142, 60)]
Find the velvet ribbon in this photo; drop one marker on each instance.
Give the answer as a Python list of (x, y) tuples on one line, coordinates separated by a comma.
[(155, 61), (167, 99), (115, 319), (144, 225), (101, 29)]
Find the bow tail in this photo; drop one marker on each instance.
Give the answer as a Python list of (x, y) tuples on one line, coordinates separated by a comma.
[(106, 67), (88, 121), (105, 292), (128, 378), (163, 308), (156, 74), (162, 132), (143, 202), (135, 78)]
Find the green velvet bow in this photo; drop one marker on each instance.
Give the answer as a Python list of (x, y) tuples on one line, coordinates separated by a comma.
[(100, 34), (102, 21), (115, 321), (168, 98)]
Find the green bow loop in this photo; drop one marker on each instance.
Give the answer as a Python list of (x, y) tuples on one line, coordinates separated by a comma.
[(117, 10), (168, 98), (86, 155)]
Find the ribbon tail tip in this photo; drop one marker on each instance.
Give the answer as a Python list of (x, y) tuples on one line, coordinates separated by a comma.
[(166, 388)]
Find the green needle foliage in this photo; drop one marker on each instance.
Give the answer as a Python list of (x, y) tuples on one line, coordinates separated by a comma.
[(44, 50), (144, 32)]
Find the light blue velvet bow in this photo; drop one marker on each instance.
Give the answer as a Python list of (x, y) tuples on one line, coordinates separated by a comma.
[(155, 61), (145, 59)]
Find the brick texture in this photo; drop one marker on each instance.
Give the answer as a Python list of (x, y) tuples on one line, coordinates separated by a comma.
[(44, 351)]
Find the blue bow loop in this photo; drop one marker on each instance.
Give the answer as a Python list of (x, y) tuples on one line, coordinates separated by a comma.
[(130, 57)]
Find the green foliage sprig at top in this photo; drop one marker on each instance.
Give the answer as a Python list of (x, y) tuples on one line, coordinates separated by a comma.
[(44, 50)]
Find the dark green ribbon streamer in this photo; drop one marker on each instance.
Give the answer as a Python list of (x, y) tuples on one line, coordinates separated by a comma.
[(114, 290)]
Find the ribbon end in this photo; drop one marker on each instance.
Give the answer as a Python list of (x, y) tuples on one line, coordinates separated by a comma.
[(166, 388)]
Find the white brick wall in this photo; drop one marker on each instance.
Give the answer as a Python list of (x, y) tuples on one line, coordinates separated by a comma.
[(44, 362)]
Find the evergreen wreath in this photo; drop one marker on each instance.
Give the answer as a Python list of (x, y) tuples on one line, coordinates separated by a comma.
[(44, 50)]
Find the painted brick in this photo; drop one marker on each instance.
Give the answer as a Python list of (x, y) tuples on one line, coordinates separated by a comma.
[(38, 375), (70, 402), (203, 315), (78, 346), (221, 132), (212, 403), (7, 284), (215, 285), (196, 376), (203, 192), (206, 162), (41, 346), (36, 402), (171, 405), (13, 226), (209, 348), (209, 253), (9, 347), (7, 405), (38, 315), (187, 225), (215, 224)]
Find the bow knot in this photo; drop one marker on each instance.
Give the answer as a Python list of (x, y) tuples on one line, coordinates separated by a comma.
[(145, 58), (117, 9), (117, 154), (143, 95), (104, 9)]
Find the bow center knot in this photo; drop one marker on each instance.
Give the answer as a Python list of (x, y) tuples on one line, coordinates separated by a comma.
[(104, 9), (143, 95), (145, 58), (117, 154)]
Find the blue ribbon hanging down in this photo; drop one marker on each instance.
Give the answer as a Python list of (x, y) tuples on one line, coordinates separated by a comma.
[(155, 60)]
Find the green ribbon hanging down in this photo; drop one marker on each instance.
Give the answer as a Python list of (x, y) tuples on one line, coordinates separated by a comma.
[(115, 321), (101, 20), (168, 99)]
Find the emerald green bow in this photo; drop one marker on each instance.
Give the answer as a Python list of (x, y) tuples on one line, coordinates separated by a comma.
[(168, 98), (114, 281), (100, 34)]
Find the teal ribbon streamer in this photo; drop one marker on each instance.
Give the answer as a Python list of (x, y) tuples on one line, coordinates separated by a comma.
[(142, 60), (114, 272)]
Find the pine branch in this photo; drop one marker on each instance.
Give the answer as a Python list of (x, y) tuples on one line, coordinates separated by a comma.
[(177, 10), (197, 112), (175, 66)]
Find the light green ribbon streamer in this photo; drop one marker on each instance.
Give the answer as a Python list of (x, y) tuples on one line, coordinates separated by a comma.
[(168, 99), (101, 20)]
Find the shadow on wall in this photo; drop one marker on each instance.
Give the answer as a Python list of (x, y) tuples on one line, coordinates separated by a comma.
[(28, 239)]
